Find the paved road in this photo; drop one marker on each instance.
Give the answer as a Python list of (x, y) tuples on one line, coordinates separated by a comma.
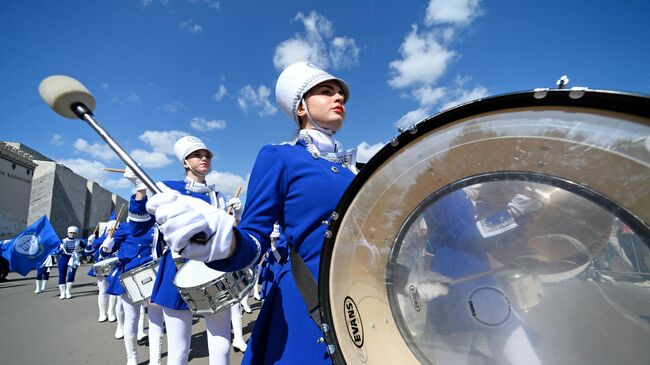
[(41, 329)]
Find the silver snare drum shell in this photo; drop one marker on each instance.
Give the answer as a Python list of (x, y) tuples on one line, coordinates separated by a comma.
[(105, 267), (138, 282), (215, 294)]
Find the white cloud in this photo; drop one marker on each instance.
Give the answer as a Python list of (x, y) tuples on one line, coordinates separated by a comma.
[(343, 52), (461, 95), (256, 99), (317, 45), (131, 99), (365, 151), (162, 141), (227, 182), (427, 95), (97, 150), (91, 170), (221, 92), (151, 159), (423, 61), (57, 140), (413, 117), (214, 4), (204, 125), (191, 27), (457, 12), (172, 107)]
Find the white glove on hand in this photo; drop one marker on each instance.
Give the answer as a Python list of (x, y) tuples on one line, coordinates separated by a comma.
[(129, 175), (181, 217), (235, 203), (91, 239), (522, 204), (276, 232), (428, 284), (107, 245)]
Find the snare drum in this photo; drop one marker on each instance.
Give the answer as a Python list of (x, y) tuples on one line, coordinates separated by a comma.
[(208, 291), (105, 267), (138, 282), (583, 155)]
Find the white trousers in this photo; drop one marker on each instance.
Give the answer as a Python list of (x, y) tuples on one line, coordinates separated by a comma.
[(179, 335)]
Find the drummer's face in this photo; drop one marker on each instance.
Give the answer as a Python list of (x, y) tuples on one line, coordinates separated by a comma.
[(326, 104), (72, 235), (200, 161)]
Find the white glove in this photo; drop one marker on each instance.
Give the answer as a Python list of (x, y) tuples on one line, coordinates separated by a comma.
[(235, 203), (129, 175), (181, 217), (276, 232), (428, 284), (522, 204), (91, 239), (107, 245)]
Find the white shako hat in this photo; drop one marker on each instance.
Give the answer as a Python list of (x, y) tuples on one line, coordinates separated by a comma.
[(73, 229), (295, 81), (186, 145)]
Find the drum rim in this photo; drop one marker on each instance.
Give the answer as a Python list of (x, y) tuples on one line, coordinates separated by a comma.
[(634, 104)]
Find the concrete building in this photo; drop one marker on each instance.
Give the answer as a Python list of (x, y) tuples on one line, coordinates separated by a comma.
[(64, 197), (16, 173)]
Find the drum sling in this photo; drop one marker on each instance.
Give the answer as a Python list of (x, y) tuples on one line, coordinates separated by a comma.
[(306, 285)]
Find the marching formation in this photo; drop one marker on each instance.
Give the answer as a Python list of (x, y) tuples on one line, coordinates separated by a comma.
[(186, 252)]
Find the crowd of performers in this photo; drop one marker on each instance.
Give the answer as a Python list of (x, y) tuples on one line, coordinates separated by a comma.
[(293, 188)]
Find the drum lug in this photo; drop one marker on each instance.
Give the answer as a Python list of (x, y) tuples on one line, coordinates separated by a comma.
[(331, 349), (324, 327)]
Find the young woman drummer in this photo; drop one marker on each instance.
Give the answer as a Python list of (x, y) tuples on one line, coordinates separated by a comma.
[(296, 184), (196, 159), (134, 248)]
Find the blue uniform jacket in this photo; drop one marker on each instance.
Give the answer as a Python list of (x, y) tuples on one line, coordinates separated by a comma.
[(459, 251), (133, 251), (290, 186)]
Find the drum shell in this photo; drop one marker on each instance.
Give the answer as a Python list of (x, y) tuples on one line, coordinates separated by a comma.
[(218, 294), (105, 267), (138, 282), (357, 272)]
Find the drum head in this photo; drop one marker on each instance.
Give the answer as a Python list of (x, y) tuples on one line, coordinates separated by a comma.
[(508, 230), (195, 273)]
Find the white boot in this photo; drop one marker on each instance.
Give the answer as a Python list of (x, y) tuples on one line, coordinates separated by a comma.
[(119, 331), (68, 286), (256, 292), (130, 343), (101, 303), (142, 335), (43, 285), (244, 305), (62, 291), (38, 287), (112, 299), (155, 349), (238, 342)]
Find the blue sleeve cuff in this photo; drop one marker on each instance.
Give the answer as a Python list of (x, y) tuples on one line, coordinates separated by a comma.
[(247, 253)]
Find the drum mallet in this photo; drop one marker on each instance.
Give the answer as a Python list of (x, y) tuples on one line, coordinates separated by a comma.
[(70, 99)]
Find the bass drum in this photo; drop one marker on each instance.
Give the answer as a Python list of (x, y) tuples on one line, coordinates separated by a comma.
[(512, 229)]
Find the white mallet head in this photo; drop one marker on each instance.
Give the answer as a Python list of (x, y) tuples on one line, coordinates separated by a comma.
[(61, 92)]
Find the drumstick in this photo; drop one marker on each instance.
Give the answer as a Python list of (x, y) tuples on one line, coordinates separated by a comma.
[(110, 169), (70, 99), (117, 221), (236, 195)]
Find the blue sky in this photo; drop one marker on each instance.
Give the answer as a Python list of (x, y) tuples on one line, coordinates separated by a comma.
[(160, 69)]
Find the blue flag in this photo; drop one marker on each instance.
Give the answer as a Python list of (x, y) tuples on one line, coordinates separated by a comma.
[(31, 247), (112, 216)]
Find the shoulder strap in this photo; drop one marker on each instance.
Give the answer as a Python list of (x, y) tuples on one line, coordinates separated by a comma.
[(306, 285)]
